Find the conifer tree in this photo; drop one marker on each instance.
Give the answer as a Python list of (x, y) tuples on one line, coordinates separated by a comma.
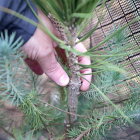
[(70, 17)]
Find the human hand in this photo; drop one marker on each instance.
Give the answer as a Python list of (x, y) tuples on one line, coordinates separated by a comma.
[(40, 51), (85, 60)]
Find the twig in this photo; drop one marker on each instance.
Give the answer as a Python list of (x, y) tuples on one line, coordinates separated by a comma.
[(83, 134), (65, 124), (63, 110), (88, 130), (10, 134)]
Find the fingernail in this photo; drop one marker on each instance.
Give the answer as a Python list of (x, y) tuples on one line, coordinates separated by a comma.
[(64, 80)]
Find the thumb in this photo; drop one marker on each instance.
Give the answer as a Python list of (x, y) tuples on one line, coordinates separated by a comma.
[(53, 69)]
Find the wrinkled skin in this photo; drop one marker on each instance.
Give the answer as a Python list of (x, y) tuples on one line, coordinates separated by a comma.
[(41, 55)]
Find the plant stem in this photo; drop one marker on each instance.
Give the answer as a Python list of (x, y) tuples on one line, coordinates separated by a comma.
[(83, 134), (7, 132), (63, 110), (69, 36), (74, 86)]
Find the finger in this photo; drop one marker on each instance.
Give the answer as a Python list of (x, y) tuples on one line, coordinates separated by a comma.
[(47, 22), (86, 61), (85, 84), (58, 35), (34, 66), (83, 59), (53, 69), (54, 44)]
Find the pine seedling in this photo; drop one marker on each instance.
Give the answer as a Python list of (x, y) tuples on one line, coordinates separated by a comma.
[(67, 17), (70, 17)]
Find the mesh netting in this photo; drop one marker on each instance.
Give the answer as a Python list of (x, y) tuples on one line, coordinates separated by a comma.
[(118, 14)]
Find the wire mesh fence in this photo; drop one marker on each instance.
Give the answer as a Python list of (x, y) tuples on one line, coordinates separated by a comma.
[(117, 14)]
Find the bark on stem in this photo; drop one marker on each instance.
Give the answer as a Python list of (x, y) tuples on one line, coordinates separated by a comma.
[(75, 82), (74, 86)]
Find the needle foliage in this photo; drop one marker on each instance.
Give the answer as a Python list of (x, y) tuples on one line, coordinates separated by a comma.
[(68, 11), (105, 109)]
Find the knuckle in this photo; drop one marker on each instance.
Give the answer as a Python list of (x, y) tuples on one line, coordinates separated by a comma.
[(31, 53), (45, 53), (53, 68), (34, 54)]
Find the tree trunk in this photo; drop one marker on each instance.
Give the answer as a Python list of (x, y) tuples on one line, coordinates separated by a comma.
[(73, 88), (75, 82)]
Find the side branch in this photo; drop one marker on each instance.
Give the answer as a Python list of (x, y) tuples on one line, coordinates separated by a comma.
[(83, 134), (64, 111)]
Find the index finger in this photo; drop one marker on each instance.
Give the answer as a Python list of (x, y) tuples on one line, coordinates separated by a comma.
[(85, 60)]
